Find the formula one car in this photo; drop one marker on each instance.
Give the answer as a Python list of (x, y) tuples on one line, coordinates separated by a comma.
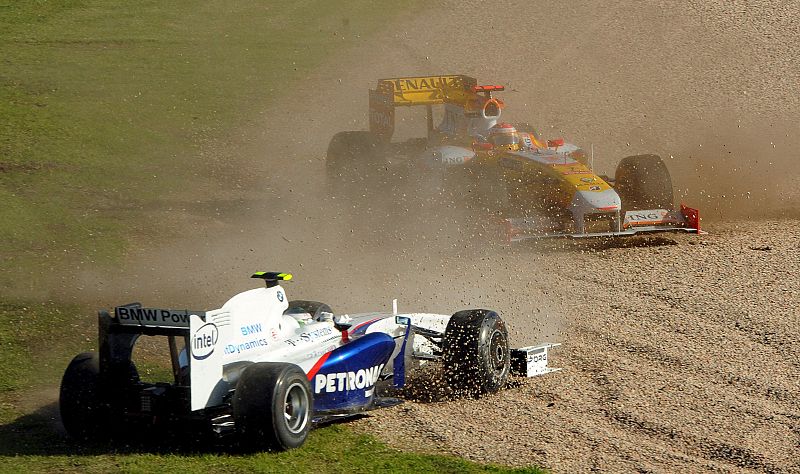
[(548, 186), (263, 369)]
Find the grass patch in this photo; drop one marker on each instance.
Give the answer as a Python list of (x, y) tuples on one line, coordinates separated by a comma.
[(31, 445), (107, 106), (32, 347), (34, 351)]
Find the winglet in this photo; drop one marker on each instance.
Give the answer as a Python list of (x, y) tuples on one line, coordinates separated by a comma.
[(272, 278)]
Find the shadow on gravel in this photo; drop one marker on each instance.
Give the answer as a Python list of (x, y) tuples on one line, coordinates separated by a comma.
[(630, 242), (595, 244)]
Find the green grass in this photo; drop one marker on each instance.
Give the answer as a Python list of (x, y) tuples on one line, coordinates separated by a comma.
[(107, 106), (332, 449), (34, 351)]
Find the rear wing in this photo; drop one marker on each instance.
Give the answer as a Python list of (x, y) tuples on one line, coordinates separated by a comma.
[(424, 90), (150, 320), (119, 330)]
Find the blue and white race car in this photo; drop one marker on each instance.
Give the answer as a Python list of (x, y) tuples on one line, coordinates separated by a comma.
[(265, 369)]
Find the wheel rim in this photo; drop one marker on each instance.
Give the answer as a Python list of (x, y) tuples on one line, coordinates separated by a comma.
[(295, 408), (498, 352)]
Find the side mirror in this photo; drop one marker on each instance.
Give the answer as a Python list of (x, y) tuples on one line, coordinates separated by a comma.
[(343, 323)]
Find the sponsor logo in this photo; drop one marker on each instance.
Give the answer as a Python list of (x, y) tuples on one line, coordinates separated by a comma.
[(204, 340), (649, 216), (346, 381), (542, 357), (310, 336), (423, 83), (321, 352), (152, 316), (280, 296), (245, 346), (587, 180), (251, 329), (455, 160), (380, 119), (594, 188)]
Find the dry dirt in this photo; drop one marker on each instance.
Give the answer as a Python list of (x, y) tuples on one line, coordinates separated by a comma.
[(678, 353)]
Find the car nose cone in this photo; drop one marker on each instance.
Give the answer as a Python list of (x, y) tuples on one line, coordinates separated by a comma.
[(593, 201)]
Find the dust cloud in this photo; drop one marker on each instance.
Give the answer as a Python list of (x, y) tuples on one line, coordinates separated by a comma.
[(635, 78), (710, 86)]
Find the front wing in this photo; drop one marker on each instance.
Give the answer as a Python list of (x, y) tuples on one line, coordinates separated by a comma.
[(686, 219)]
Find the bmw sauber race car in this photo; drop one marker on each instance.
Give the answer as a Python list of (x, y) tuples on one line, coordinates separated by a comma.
[(263, 369), (547, 187)]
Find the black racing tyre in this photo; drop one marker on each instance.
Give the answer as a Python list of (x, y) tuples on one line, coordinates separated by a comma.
[(314, 308), (476, 353), (83, 410), (354, 161), (644, 182), (92, 405), (272, 406)]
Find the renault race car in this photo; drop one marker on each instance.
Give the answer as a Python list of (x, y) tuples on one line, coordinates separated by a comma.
[(548, 187), (263, 369)]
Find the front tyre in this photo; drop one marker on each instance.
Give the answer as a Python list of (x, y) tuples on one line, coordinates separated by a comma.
[(272, 406), (476, 353), (644, 182)]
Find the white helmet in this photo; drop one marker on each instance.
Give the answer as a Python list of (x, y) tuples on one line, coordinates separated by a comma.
[(504, 134)]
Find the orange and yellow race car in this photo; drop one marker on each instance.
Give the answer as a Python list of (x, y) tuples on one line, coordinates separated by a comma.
[(548, 187)]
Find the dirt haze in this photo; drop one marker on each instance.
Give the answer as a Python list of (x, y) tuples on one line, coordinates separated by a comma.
[(679, 356)]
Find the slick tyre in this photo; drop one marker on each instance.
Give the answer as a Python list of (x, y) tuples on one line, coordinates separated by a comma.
[(476, 355), (354, 163), (83, 411), (644, 182), (272, 407)]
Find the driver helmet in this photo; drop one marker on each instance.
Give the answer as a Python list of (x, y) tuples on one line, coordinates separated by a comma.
[(504, 135)]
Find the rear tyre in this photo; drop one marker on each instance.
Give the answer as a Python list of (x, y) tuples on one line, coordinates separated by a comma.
[(354, 162), (272, 406), (83, 412), (644, 182), (476, 354)]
